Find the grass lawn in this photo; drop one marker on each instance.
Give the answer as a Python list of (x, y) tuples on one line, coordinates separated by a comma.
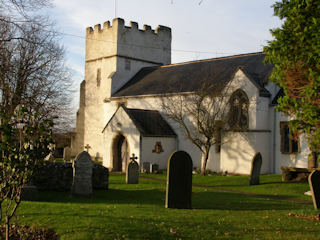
[(137, 211)]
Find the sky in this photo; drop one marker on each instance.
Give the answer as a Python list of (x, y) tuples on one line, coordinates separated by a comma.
[(201, 29)]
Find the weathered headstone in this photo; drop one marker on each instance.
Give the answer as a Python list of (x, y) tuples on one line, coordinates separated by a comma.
[(50, 158), (132, 173), (179, 181), (82, 175), (314, 182), (255, 169), (146, 167), (67, 154), (154, 168)]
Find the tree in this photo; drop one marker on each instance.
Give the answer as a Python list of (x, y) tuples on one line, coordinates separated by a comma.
[(24, 141), (295, 53), (32, 69), (34, 87), (202, 116)]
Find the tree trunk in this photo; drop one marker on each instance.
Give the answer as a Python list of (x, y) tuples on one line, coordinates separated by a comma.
[(7, 227), (204, 161)]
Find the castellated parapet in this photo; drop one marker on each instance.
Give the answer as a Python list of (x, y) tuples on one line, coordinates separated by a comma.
[(148, 45)]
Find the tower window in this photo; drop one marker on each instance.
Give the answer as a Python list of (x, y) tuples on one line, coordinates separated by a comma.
[(98, 77), (289, 139), (127, 64)]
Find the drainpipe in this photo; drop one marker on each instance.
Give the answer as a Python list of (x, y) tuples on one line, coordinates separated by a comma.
[(274, 139), (140, 152)]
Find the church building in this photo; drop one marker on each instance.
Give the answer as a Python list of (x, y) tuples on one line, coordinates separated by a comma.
[(128, 71)]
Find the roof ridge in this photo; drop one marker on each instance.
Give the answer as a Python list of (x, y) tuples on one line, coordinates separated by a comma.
[(211, 59)]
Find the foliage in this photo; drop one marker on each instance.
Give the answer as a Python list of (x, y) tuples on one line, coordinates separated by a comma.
[(29, 233), (32, 68), (295, 53), (24, 142)]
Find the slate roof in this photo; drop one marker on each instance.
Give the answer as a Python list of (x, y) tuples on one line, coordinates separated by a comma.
[(278, 95), (150, 123), (186, 77)]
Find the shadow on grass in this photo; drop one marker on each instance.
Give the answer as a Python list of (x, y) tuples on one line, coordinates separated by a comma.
[(200, 200), (110, 196), (237, 201)]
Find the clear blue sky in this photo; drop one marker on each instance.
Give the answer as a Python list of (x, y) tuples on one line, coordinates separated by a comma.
[(200, 28)]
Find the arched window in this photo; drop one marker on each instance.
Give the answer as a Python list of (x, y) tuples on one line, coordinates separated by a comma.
[(238, 114)]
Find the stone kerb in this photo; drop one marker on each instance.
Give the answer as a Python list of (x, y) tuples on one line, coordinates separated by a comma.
[(132, 172), (314, 182), (255, 169), (82, 175), (179, 181)]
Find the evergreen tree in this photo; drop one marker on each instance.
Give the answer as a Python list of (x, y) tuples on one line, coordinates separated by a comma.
[(295, 53)]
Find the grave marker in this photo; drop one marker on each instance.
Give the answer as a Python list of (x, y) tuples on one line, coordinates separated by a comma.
[(314, 182), (132, 173), (146, 167), (82, 175), (87, 147), (179, 181), (67, 154), (154, 168), (255, 169)]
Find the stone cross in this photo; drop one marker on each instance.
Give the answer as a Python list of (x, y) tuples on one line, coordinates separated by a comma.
[(179, 181), (133, 158), (87, 147), (132, 171)]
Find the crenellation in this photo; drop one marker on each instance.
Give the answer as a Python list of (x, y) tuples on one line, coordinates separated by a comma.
[(134, 25), (89, 30), (97, 27), (147, 28), (106, 24), (161, 28), (119, 23)]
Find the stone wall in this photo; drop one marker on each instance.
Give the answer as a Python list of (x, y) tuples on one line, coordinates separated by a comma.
[(58, 177)]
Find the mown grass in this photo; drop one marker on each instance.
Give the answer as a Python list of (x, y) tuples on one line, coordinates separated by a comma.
[(137, 211)]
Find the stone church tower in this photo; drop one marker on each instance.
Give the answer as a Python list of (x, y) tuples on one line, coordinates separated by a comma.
[(114, 54)]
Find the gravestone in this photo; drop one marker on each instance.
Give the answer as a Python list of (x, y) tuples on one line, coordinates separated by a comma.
[(179, 181), (50, 158), (146, 167), (82, 175), (314, 182), (132, 171), (255, 169), (154, 168), (67, 154)]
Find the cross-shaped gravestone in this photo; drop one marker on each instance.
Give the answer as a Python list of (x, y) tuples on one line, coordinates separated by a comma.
[(133, 158), (87, 147), (132, 171)]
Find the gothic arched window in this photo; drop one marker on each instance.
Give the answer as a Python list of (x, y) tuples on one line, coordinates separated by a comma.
[(238, 115)]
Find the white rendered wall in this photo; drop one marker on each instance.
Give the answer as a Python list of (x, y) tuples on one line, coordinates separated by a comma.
[(107, 49), (289, 160), (120, 124), (239, 148), (169, 146)]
